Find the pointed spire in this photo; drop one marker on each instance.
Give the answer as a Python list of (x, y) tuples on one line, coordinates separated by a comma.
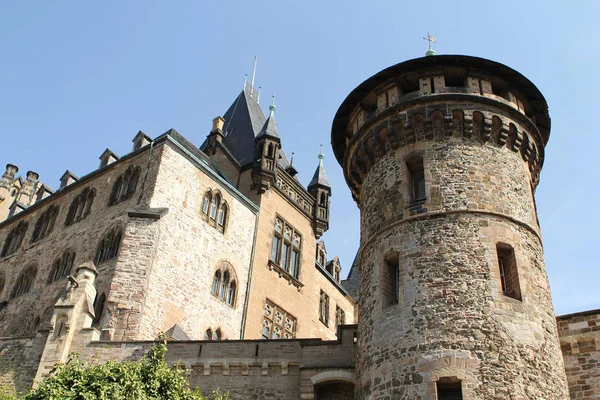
[(270, 127), (320, 177), (272, 107)]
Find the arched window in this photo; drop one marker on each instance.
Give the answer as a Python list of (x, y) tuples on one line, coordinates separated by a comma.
[(216, 282), (208, 334), (60, 326), (62, 266), (125, 185), (231, 293), (81, 206), (214, 205), (222, 217), (45, 223), (224, 284), (217, 335), (323, 200), (271, 151), (478, 127), (206, 200), (98, 308), (14, 239), (109, 246), (25, 281)]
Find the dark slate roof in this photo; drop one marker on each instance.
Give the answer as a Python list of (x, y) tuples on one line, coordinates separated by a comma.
[(176, 333), (269, 129), (189, 146), (243, 122), (352, 282), (320, 177)]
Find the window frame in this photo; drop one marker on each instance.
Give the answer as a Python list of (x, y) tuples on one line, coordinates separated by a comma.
[(324, 308), (270, 311), (287, 251), (508, 271)]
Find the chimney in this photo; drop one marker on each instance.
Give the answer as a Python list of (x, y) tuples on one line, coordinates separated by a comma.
[(217, 127), (107, 158), (43, 192), (9, 176), (67, 179), (140, 140)]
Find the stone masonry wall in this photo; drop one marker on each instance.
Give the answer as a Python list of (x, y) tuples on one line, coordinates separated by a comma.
[(258, 369), (301, 302), (19, 359), (452, 319), (190, 250), (580, 342), (19, 315)]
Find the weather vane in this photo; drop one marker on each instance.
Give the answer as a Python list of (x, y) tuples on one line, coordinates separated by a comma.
[(430, 39)]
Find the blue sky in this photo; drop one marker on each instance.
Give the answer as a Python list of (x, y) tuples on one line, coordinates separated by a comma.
[(77, 77)]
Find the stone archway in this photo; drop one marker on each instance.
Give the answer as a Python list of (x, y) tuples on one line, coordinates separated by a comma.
[(334, 390), (334, 385)]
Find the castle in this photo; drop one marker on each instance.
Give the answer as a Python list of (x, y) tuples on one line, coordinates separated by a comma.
[(218, 246)]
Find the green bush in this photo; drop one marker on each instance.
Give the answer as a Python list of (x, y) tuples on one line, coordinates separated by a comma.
[(147, 379)]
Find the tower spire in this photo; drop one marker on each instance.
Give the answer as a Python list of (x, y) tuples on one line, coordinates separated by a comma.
[(272, 107), (253, 75)]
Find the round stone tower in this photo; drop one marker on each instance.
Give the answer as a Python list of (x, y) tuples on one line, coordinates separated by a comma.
[(442, 154)]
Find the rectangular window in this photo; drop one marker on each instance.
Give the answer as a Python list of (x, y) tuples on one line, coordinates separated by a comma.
[(286, 247), (275, 249), (509, 276), (295, 261), (449, 390), (340, 317), (391, 281), (416, 178), (277, 323), (324, 308), (221, 218)]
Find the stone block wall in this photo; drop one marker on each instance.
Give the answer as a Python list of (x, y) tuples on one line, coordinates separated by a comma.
[(252, 369), (19, 360), (189, 250), (580, 342), (22, 315), (300, 300)]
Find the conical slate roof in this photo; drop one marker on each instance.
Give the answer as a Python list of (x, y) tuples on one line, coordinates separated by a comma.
[(243, 122), (320, 177), (352, 281), (269, 129)]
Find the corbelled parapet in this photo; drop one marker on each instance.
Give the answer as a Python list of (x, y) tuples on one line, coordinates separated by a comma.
[(9, 176), (442, 155), (431, 98)]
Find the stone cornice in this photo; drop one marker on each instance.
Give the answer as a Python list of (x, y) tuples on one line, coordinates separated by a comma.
[(390, 130)]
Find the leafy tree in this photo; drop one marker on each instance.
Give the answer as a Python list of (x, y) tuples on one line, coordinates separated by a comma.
[(147, 379)]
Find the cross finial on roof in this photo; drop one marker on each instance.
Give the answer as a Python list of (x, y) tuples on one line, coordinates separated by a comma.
[(321, 155), (272, 107), (430, 39)]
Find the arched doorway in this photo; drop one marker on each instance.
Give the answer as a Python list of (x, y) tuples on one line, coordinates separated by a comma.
[(334, 390)]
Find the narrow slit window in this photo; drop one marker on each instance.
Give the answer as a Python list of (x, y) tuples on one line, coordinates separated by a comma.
[(508, 271), (391, 281), (416, 178)]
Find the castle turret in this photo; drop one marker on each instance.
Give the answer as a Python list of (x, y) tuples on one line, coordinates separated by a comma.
[(215, 137), (442, 154), (7, 190), (320, 189), (267, 147)]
